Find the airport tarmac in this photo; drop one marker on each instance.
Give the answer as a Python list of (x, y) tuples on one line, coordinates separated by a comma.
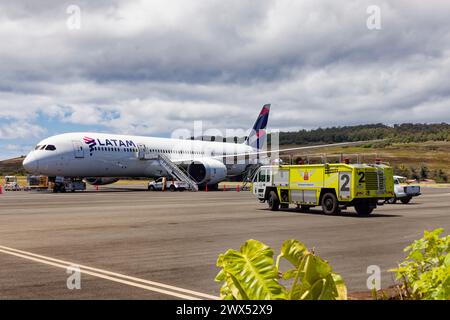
[(133, 244)]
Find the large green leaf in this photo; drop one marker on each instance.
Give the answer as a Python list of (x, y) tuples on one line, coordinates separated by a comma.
[(314, 269), (293, 251), (314, 292), (340, 286), (249, 274), (252, 272), (315, 281), (447, 260)]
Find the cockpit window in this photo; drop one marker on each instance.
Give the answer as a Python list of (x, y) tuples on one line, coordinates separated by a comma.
[(50, 147), (42, 147), (37, 147)]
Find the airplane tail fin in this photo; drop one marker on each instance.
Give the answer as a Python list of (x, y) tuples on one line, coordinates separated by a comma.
[(258, 136)]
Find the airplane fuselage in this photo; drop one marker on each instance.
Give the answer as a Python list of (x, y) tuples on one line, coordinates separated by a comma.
[(87, 154)]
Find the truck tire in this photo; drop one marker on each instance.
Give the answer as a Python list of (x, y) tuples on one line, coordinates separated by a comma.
[(274, 202), (392, 200), (405, 200), (172, 188), (330, 204), (363, 209), (151, 188)]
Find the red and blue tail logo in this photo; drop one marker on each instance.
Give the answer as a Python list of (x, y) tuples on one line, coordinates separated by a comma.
[(257, 136)]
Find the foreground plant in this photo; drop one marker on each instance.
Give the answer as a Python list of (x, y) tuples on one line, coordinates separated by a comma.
[(425, 274), (251, 274)]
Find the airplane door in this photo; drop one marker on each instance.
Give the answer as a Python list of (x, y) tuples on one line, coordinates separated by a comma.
[(141, 151), (78, 149)]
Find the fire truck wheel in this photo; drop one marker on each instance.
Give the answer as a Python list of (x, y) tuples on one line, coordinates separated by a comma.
[(330, 203), (392, 200), (363, 209), (405, 200), (274, 202)]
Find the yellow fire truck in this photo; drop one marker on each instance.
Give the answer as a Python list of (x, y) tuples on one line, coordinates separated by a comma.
[(332, 186)]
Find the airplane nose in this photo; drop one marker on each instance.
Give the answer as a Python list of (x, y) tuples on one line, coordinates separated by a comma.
[(30, 163)]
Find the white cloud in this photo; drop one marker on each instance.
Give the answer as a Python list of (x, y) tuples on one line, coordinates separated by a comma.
[(18, 130)]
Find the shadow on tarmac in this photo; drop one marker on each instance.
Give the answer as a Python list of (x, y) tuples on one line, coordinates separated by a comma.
[(343, 214)]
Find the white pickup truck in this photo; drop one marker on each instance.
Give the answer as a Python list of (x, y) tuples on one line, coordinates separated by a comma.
[(403, 192), (172, 185)]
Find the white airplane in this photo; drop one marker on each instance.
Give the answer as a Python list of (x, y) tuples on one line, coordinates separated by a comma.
[(105, 158), (102, 159)]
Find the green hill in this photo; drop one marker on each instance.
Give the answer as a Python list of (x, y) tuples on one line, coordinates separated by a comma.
[(415, 160), (12, 167)]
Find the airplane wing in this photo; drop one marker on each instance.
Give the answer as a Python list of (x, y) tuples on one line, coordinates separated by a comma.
[(304, 148), (341, 144)]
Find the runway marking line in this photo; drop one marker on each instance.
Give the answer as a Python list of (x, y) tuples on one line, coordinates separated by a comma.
[(112, 276)]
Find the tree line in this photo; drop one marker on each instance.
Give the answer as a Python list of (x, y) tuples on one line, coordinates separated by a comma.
[(400, 133), (421, 173)]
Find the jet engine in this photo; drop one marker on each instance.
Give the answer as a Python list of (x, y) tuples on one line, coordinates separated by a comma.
[(207, 171), (101, 181)]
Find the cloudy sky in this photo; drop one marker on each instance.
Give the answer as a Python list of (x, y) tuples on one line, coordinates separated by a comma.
[(150, 67)]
